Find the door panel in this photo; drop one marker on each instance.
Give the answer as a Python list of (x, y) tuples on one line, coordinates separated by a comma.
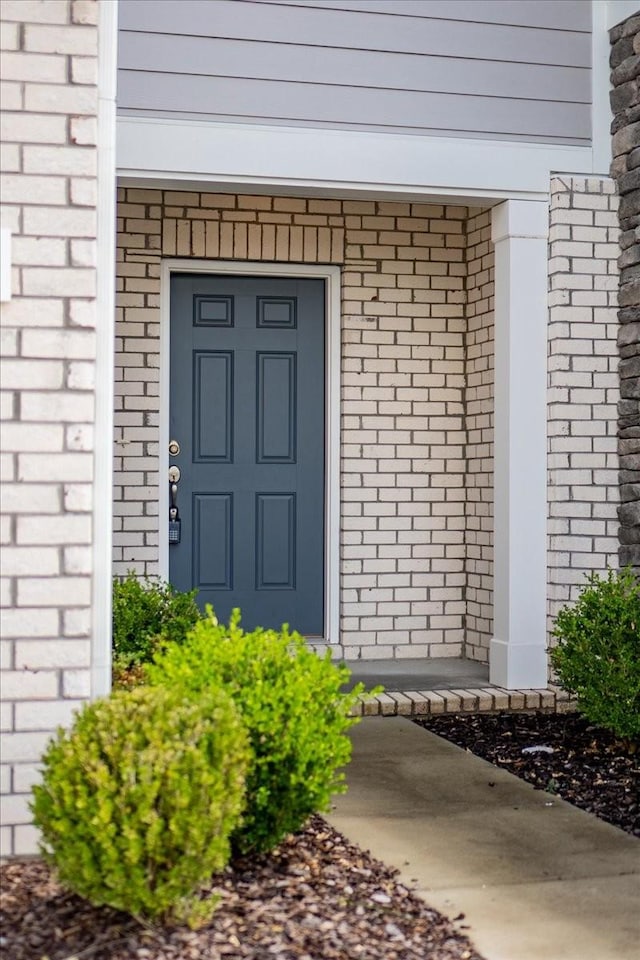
[(247, 408)]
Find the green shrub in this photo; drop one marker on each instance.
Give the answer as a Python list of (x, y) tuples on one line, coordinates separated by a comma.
[(598, 655), (139, 797), (291, 702), (144, 612)]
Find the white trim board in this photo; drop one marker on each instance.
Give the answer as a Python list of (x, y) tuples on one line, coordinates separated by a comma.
[(331, 276), (101, 628), (233, 156)]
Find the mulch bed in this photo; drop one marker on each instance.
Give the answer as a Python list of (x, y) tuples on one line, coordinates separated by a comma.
[(583, 764), (316, 897)]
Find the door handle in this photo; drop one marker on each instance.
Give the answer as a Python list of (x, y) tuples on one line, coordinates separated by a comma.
[(174, 513)]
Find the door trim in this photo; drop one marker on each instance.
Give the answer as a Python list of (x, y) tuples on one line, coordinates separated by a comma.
[(331, 277)]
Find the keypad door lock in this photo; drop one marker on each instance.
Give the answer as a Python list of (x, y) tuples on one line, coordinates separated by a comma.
[(174, 514)]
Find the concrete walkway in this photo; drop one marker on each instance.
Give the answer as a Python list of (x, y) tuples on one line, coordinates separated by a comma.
[(536, 878)]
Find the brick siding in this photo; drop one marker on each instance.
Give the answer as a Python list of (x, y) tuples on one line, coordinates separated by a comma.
[(49, 99), (583, 383), (479, 374), (403, 431)]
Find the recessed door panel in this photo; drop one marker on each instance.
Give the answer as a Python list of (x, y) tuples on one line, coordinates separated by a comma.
[(213, 540), (276, 406), (212, 406), (275, 541)]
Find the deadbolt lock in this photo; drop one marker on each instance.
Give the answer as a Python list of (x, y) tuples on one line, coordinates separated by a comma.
[(174, 448)]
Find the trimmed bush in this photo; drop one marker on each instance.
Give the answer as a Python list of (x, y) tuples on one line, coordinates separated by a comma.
[(598, 654), (292, 705), (139, 797), (144, 612)]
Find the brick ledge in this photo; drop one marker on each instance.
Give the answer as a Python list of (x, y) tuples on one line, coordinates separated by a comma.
[(412, 703)]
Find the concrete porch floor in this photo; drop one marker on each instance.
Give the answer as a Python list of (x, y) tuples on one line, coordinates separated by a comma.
[(434, 674)]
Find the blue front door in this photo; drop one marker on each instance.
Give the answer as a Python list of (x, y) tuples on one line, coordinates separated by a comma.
[(247, 410)]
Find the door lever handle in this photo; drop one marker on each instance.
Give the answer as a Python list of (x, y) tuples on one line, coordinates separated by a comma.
[(174, 514)]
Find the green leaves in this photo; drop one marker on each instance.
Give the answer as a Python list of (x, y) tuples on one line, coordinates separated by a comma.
[(598, 655), (139, 798), (292, 704), (144, 613)]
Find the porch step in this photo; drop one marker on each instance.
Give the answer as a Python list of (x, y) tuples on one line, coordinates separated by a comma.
[(490, 699)]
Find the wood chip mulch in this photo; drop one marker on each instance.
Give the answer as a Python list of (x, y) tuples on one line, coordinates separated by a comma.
[(316, 897), (562, 754)]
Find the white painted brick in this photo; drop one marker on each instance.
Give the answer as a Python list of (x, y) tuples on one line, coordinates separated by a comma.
[(79, 436), (29, 498), (33, 128), (53, 591), (36, 11), (68, 161), (25, 776), (61, 223), (11, 95), (17, 188), (15, 809), (78, 498), (62, 467), (78, 560), (43, 373), (34, 68), (22, 436), (5, 779), (34, 251), (25, 684), (56, 407), (82, 313), (84, 192), (10, 162), (84, 11), (9, 36), (26, 840), (34, 561), (77, 622), (26, 312), (6, 720), (73, 282), (76, 683), (29, 623), (36, 715), (50, 654), (81, 376), (66, 529), (61, 39), (83, 253)]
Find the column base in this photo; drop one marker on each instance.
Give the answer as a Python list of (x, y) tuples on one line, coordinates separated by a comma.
[(518, 666)]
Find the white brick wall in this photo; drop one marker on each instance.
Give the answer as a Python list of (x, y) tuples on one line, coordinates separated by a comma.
[(479, 452), (583, 383), (403, 431), (48, 68)]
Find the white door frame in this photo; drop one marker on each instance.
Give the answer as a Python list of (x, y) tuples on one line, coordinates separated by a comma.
[(331, 276)]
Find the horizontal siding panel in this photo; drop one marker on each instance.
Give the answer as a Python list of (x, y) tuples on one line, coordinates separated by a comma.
[(350, 68), (565, 15), (312, 26), (290, 102)]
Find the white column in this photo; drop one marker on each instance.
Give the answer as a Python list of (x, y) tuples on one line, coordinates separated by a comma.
[(518, 658)]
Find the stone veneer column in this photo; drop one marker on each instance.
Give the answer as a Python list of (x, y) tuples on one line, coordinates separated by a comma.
[(625, 103), (518, 648)]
